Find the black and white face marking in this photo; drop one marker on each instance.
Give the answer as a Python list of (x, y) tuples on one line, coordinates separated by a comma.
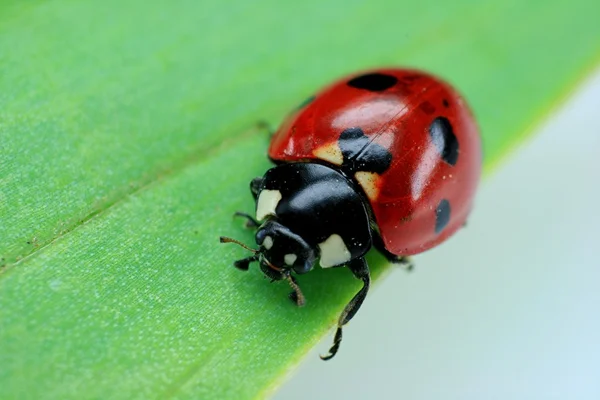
[(267, 242), (282, 250), (290, 259)]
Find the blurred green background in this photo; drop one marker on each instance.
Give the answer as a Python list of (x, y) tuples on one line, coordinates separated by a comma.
[(127, 139)]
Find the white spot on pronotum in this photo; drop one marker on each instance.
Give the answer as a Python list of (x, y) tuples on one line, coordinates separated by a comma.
[(330, 152), (267, 203), (290, 259), (334, 251), (268, 242), (368, 181)]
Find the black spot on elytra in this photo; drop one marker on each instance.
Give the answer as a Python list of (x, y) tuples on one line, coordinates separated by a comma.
[(445, 103), (442, 215), (444, 139), (361, 154), (375, 82)]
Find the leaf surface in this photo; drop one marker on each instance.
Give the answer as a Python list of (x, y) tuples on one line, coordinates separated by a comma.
[(127, 141)]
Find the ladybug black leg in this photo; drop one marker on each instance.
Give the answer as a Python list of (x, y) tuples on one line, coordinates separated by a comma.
[(255, 185), (265, 126), (244, 263), (401, 261), (250, 222), (404, 262), (360, 269)]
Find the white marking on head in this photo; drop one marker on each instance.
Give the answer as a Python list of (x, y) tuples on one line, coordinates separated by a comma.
[(268, 242), (267, 203), (334, 251), (290, 259), (330, 152), (368, 181)]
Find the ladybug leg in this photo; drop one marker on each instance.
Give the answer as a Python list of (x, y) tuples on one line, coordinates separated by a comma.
[(402, 261), (255, 186), (244, 263), (265, 126), (250, 221), (360, 269)]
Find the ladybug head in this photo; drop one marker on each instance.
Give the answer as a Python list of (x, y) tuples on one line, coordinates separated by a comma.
[(282, 251)]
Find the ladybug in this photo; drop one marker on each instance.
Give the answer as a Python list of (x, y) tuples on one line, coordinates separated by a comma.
[(390, 159)]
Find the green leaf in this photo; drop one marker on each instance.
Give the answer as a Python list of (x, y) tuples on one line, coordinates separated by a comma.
[(127, 141)]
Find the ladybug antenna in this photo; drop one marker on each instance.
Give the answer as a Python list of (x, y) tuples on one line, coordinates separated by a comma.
[(224, 239)]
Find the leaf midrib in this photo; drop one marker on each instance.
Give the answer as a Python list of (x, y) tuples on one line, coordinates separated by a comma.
[(201, 154)]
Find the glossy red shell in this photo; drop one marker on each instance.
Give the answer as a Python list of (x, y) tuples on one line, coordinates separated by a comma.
[(399, 118)]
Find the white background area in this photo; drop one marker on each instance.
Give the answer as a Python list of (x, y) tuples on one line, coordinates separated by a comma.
[(509, 308)]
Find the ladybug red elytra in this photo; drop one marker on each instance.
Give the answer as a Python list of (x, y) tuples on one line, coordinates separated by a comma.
[(389, 158)]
